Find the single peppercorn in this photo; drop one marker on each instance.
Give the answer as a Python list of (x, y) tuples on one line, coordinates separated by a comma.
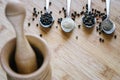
[(59, 11), (56, 26), (34, 9), (50, 3), (44, 8), (28, 24), (41, 12), (40, 35), (82, 12), (76, 37), (79, 26), (100, 39), (63, 8), (50, 12), (83, 7), (38, 12), (99, 33), (115, 36), (33, 19), (37, 25)]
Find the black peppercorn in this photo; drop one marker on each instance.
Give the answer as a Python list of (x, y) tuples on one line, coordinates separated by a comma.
[(115, 36), (79, 26), (59, 20), (50, 3), (92, 9), (40, 35), (78, 14), (99, 33), (33, 14), (56, 26), (63, 8), (83, 7), (59, 11), (86, 6), (73, 19), (76, 37), (33, 19), (75, 12), (50, 12), (41, 12), (34, 9), (36, 15), (44, 8), (38, 12), (37, 25), (28, 24), (104, 9), (100, 39), (82, 12)]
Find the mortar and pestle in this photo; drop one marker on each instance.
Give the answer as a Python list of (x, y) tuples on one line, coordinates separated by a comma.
[(24, 57)]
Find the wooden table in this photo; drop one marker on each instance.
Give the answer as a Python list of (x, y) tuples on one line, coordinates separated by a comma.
[(84, 58)]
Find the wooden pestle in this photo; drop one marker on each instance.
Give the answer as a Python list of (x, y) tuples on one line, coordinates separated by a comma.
[(25, 57)]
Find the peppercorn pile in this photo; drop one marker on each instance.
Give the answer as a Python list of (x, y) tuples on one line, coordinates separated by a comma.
[(46, 18), (89, 19)]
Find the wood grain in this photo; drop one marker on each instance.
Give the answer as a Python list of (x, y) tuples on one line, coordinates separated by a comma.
[(82, 59)]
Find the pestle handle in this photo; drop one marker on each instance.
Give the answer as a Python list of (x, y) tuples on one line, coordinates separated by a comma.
[(25, 57)]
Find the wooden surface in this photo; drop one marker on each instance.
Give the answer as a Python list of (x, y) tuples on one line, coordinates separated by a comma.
[(71, 59)]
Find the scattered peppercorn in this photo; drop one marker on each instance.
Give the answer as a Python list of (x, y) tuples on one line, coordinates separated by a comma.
[(36, 15), (115, 36), (79, 26), (75, 12), (100, 33), (78, 14), (37, 25), (56, 26), (33, 14), (40, 35), (76, 37), (100, 39), (50, 12), (73, 19), (104, 17), (50, 3), (83, 7), (97, 29), (63, 8), (92, 9), (41, 12), (59, 20), (34, 9), (82, 12), (33, 19), (44, 8), (59, 11), (38, 12), (28, 24), (104, 9)]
